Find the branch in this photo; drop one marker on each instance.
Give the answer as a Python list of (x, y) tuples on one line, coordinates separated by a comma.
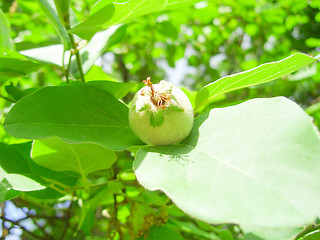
[(75, 48), (68, 216), (24, 229), (307, 229), (6, 98)]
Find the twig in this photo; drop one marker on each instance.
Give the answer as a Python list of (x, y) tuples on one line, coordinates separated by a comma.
[(68, 68), (118, 227), (68, 215), (78, 59), (75, 47), (307, 229), (24, 229), (8, 99)]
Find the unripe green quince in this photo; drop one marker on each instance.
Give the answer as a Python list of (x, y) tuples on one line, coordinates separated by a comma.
[(161, 114)]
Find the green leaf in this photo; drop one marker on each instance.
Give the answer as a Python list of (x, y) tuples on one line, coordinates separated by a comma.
[(16, 66), (261, 74), (19, 172), (15, 169), (255, 164), (62, 7), (100, 43), (313, 236), (94, 23), (77, 114), (51, 12), (5, 38), (162, 233), (7, 193), (83, 158), (14, 92), (105, 14), (52, 54), (21, 183), (117, 89)]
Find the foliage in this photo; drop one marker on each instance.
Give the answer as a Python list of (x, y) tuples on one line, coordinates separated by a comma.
[(71, 167)]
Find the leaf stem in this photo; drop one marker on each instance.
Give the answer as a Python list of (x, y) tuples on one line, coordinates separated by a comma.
[(68, 68), (6, 98), (307, 229), (78, 59), (74, 47)]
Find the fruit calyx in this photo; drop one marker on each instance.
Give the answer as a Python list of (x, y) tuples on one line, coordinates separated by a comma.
[(158, 99)]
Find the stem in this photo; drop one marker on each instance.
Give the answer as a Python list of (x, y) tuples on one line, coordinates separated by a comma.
[(307, 229), (68, 215), (74, 47), (68, 69), (78, 59), (8, 99), (24, 229), (118, 227)]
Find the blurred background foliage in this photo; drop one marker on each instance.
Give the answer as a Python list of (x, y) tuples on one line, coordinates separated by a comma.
[(191, 47)]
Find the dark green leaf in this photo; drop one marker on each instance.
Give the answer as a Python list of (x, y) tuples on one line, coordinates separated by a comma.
[(77, 114)]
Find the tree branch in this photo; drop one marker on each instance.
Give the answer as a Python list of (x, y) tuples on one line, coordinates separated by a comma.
[(24, 229), (68, 216)]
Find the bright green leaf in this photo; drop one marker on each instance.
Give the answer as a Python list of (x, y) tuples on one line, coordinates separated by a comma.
[(261, 74), (313, 236), (83, 158), (51, 12), (22, 183), (117, 89), (94, 23), (5, 38), (77, 114), (100, 43), (255, 164), (7, 193), (15, 67), (106, 14)]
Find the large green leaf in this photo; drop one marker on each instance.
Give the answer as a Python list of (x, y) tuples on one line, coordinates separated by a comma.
[(261, 74), (255, 164), (106, 14), (77, 114), (5, 38), (82, 158)]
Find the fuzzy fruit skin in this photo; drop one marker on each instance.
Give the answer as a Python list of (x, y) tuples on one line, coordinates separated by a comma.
[(176, 125)]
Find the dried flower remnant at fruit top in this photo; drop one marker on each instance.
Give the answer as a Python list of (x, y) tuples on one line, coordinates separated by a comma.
[(159, 99), (160, 114)]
